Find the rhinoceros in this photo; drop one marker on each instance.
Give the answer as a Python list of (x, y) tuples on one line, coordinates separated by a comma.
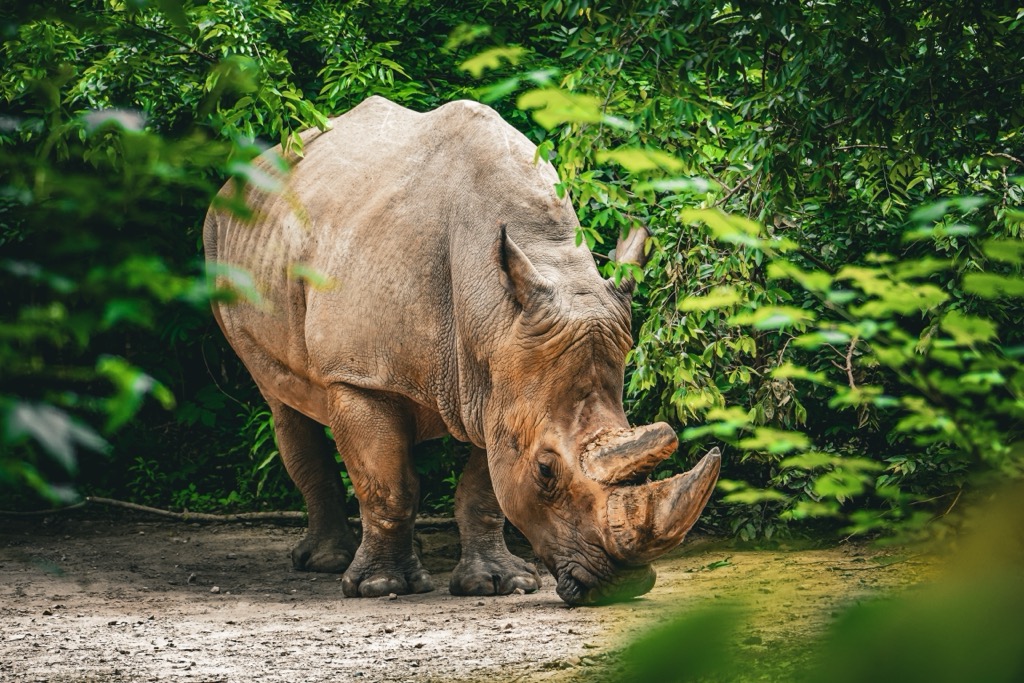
[(459, 303)]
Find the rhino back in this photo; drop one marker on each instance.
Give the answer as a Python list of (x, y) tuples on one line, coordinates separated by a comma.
[(400, 210)]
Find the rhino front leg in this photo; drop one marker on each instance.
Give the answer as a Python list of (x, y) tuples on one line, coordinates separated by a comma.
[(487, 567), (374, 433), (329, 544)]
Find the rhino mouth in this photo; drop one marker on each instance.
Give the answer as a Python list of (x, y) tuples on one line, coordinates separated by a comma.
[(577, 586)]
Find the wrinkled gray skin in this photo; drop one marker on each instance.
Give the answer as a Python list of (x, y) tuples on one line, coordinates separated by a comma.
[(439, 320)]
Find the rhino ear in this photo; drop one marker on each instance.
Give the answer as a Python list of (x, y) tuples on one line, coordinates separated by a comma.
[(631, 249), (518, 276)]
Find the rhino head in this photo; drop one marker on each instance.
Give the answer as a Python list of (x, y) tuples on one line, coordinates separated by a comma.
[(568, 470)]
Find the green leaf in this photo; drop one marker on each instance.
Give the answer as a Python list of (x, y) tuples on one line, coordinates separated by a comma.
[(775, 440), (814, 281), (316, 279), (174, 11), (819, 338), (930, 213), (726, 227), (906, 270), (256, 176), (966, 330), (809, 461), (902, 298), (132, 310), (839, 484), (710, 654), (810, 508), (987, 379), (492, 59), (492, 93), (555, 106), (870, 280), (939, 231), (840, 297), (638, 160), (815, 460), (57, 432), (992, 286), (36, 273), (721, 422), (1007, 251), (117, 119), (789, 371), (677, 185), (464, 34), (719, 297), (235, 281), (754, 496), (773, 317), (131, 387)]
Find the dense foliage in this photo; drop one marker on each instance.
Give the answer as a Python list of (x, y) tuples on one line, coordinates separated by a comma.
[(834, 192)]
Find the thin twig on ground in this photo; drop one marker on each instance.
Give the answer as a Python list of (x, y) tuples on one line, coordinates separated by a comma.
[(836, 568), (187, 516)]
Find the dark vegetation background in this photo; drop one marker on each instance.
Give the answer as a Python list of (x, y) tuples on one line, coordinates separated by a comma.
[(834, 189)]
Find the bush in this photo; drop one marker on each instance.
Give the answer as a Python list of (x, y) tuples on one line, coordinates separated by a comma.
[(835, 271)]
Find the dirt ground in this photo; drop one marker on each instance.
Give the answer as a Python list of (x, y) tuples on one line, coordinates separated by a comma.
[(131, 599)]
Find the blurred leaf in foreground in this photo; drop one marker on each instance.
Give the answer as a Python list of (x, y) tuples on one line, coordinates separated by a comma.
[(966, 626)]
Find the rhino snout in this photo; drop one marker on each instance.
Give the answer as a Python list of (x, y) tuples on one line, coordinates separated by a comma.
[(576, 586)]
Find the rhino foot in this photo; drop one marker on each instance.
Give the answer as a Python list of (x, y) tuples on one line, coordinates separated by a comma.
[(369, 580), (490, 576), (314, 554)]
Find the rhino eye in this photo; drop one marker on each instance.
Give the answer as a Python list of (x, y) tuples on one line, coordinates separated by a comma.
[(545, 470)]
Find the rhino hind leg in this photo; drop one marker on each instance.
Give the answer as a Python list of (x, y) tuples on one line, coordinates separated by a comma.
[(329, 544), (374, 432), (486, 567)]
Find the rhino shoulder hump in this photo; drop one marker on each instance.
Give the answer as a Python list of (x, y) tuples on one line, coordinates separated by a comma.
[(467, 115), (468, 108), (484, 139), (375, 102)]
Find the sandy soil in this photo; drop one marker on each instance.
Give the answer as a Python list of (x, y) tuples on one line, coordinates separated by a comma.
[(134, 600)]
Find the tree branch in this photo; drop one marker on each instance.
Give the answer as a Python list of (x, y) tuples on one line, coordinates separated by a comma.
[(731, 191), (849, 362), (845, 148), (1004, 155), (166, 36)]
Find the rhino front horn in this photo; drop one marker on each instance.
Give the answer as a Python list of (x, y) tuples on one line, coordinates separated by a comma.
[(645, 522)]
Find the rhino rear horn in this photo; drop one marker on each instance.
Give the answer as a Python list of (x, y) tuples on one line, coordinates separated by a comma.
[(631, 249), (645, 522), (518, 276), (628, 455)]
